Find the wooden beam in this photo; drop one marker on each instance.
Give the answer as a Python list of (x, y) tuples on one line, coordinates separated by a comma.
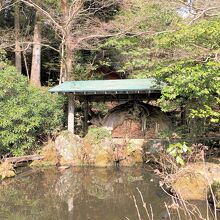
[(85, 119), (119, 97), (16, 160), (71, 111)]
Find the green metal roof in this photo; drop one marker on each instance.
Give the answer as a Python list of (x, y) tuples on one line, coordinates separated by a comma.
[(108, 86)]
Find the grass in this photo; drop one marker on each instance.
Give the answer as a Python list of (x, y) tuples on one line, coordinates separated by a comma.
[(178, 209)]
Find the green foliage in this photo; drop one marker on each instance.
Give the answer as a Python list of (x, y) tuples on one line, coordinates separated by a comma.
[(142, 19), (192, 84), (27, 114), (97, 134), (142, 15), (178, 150), (127, 53), (2, 55), (101, 107), (186, 59), (85, 66), (203, 36)]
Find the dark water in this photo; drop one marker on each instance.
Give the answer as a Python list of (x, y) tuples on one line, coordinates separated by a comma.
[(83, 194), (80, 194)]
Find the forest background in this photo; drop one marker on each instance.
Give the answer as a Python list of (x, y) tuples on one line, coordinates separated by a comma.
[(43, 43)]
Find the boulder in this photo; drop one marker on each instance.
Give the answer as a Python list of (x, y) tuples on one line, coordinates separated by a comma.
[(191, 187), (101, 150), (103, 158), (193, 181), (68, 146), (98, 148), (128, 152)]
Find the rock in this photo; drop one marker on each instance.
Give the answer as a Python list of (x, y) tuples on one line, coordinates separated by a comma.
[(128, 128), (137, 156), (193, 181), (98, 147), (68, 145), (51, 157), (191, 187), (128, 153), (49, 154), (103, 159)]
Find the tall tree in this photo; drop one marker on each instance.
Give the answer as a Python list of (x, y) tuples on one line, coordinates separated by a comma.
[(17, 37), (66, 52), (36, 56), (77, 23)]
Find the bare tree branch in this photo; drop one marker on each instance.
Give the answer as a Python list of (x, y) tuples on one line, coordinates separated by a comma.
[(204, 12), (26, 45), (44, 12)]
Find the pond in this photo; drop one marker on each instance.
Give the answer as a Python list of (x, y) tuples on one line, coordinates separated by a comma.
[(87, 193), (81, 194)]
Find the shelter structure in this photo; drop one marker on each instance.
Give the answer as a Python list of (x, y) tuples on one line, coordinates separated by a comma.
[(105, 91)]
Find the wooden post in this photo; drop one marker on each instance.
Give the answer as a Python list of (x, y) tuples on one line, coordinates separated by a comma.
[(85, 121), (71, 110)]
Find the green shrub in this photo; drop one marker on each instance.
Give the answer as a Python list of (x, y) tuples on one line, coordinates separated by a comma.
[(178, 150), (96, 135), (27, 114)]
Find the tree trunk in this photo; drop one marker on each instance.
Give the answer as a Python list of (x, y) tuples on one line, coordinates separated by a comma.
[(17, 38), (67, 57), (36, 56)]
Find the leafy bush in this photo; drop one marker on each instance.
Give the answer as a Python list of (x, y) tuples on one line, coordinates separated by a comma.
[(177, 151), (27, 114), (194, 85), (97, 134)]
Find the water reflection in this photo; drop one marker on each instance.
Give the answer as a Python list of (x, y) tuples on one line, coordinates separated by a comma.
[(80, 194)]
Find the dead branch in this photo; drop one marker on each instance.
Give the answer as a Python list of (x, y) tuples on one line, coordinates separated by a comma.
[(44, 12), (16, 160), (27, 44), (204, 12)]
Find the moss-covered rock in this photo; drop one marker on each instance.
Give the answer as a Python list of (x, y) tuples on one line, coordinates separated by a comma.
[(191, 186), (103, 159), (98, 148), (193, 181), (68, 145)]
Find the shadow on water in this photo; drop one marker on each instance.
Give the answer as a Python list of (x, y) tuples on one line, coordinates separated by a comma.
[(80, 194)]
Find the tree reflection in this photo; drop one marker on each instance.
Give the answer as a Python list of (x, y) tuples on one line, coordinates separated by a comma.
[(75, 193)]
